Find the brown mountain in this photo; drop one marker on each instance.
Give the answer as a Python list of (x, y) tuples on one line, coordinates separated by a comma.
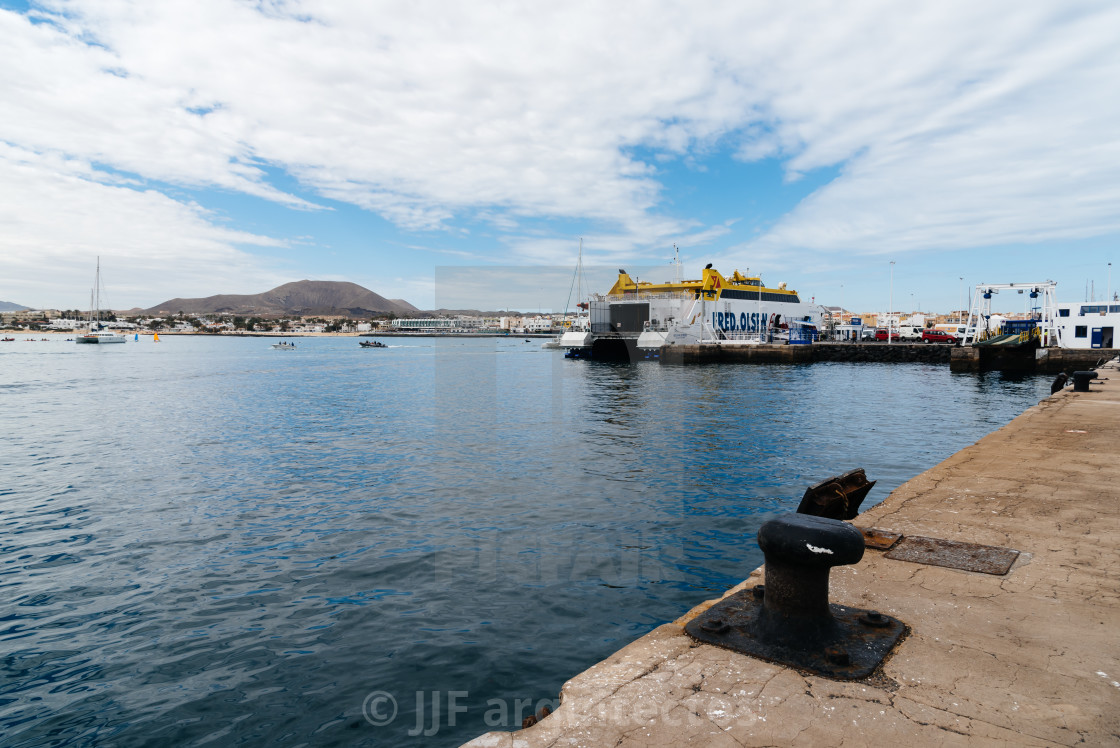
[(304, 297)]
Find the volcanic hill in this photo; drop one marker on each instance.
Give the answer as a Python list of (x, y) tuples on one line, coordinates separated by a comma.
[(301, 298)]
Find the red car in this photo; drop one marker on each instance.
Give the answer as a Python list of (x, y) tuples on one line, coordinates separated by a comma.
[(882, 334), (937, 336)]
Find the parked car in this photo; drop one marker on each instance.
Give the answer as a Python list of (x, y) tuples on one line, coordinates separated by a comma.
[(938, 336), (881, 334)]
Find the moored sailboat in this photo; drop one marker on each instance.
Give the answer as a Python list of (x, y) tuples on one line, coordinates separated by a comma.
[(96, 332)]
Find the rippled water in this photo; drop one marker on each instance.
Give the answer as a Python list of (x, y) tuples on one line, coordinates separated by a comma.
[(206, 541)]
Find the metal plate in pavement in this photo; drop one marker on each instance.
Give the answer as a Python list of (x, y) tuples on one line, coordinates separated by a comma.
[(952, 554)]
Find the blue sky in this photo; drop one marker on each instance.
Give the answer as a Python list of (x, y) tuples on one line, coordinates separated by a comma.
[(454, 154)]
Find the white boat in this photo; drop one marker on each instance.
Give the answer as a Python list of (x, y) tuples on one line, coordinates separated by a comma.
[(636, 318), (96, 332), (578, 333), (284, 346)]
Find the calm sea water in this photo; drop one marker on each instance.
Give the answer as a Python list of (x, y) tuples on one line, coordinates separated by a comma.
[(208, 542)]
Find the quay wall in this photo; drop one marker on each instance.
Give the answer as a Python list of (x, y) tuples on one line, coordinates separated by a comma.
[(806, 354), (1042, 360), (1027, 657), (1039, 360), (929, 353), (738, 354), (1054, 360)]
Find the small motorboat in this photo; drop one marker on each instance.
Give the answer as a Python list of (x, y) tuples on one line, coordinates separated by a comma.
[(372, 344), (284, 346)]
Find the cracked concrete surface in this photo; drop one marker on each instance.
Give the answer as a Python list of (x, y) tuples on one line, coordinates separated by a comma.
[(1030, 658)]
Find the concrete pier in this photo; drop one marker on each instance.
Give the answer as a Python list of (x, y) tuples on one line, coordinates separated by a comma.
[(968, 359), (1029, 658), (1038, 360)]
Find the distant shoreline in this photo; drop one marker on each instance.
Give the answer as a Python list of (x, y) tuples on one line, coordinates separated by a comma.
[(31, 333)]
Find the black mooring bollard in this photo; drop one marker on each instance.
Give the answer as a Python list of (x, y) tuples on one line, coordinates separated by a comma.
[(800, 550), (789, 619), (1081, 380)]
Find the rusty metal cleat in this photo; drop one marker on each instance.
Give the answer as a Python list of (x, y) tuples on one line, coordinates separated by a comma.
[(838, 497)]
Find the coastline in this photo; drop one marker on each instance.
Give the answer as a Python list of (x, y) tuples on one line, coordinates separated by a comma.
[(170, 333)]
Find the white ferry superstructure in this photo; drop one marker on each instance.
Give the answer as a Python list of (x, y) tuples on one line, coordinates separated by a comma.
[(637, 317), (1090, 324)]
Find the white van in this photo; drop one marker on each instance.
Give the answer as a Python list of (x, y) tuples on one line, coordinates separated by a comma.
[(906, 332)]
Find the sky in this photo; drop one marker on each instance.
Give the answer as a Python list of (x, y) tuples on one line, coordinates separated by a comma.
[(458, 154)]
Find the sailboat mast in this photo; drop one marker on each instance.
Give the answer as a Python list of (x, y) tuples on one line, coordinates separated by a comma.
[(97, 289)]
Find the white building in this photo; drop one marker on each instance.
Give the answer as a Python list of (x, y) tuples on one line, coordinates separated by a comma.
[(437, 324), (538, 324), (1088, 324)]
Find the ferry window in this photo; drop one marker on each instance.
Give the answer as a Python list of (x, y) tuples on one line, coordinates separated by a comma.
[(1080, 331), (1063, 312), (1114, 309)]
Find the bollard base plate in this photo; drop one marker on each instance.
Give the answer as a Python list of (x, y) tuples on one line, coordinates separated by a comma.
[(862, 639)]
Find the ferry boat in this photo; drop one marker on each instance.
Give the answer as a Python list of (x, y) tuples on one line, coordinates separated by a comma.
[(636, 318)]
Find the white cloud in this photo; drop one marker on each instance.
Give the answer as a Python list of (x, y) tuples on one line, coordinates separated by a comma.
[(995, 128), (952, 123), (57, 221)]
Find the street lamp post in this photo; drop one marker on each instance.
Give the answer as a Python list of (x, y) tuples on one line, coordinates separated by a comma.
[(1109, 283), (890, 308)]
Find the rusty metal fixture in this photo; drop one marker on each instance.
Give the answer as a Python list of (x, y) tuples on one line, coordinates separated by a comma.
[(838, 497), (953, 554), (1081, 380), (790, 621), (879, 540)]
